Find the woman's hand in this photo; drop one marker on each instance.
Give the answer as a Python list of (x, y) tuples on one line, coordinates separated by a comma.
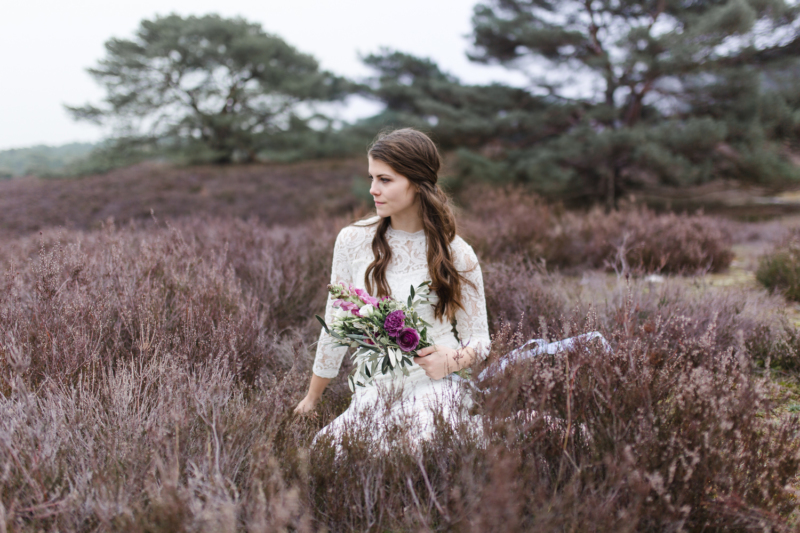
[(306, 405), (438, 361), (315, 389)]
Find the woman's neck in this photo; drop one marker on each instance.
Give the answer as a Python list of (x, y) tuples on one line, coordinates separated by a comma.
[(410, 222)]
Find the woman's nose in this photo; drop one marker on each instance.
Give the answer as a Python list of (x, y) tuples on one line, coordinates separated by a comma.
[(373, 190)]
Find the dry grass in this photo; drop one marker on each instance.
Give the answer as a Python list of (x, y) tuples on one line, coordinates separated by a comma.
[(148, 373)]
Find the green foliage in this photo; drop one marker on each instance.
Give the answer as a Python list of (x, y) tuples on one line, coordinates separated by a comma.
[(673, 96), (419, 94), (42, 160), (208, 89), (779, 270), (632, 94)]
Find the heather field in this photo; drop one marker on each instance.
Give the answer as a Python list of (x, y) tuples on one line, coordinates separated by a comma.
[(148, 372)]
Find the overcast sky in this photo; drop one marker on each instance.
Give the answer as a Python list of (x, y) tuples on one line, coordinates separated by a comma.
[(47, 45)]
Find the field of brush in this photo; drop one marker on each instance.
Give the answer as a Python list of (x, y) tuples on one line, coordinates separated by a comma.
[(150, 363)]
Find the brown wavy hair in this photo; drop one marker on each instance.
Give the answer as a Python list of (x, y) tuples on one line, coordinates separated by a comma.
[(413, 154)]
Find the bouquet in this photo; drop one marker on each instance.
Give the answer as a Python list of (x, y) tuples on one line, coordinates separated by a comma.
[(384, 332)]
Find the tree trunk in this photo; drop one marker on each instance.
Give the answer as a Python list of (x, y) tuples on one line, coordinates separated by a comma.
[(611, 188)]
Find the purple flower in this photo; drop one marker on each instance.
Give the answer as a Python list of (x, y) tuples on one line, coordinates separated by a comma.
[(395, 321), (408, 339)]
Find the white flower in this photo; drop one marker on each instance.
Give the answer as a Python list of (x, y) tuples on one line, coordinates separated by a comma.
[(367, 310)]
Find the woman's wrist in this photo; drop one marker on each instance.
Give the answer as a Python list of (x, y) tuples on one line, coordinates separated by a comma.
[(462, 358), (316, 387)]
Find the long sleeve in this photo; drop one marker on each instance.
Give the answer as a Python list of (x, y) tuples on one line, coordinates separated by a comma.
[(473, 324), (329, 356)]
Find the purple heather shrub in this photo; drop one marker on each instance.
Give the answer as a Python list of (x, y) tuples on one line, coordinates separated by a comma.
[(512, 222), (394, 323), (408, 339), (148, 374)]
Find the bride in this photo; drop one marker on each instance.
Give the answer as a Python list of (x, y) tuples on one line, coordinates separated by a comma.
[(411, 240)]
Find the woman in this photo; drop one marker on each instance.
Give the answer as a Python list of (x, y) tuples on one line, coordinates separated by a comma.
[(412, 239)]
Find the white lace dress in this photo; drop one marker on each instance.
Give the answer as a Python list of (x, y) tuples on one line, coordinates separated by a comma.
[(417, 395)]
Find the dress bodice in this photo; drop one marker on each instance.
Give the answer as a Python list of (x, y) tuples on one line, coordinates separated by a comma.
[(408, 266)]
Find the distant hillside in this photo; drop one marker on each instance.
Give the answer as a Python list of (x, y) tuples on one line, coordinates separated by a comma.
[(41, 160), (275, 193)]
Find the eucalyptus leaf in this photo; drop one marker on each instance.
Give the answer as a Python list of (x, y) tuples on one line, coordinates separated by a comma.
[(324, 325)]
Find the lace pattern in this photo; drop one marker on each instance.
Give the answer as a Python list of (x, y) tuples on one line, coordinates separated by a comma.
[(352, 254)]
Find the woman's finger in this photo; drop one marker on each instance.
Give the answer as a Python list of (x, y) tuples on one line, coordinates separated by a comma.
[(426, 351)]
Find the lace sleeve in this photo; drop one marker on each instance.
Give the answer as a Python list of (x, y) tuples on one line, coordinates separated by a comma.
[(473, 324), (329, 356)]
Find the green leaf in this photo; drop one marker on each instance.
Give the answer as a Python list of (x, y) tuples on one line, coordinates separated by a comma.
[(412, 291), (324, 325)]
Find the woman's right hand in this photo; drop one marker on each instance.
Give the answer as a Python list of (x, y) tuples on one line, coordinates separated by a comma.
[(306, 405), (315, 389)]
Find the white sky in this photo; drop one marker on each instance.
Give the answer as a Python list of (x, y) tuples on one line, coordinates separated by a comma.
[(46, 45)]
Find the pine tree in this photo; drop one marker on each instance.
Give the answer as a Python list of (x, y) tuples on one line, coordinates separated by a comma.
[(417, 93), (206, 87), (660, 91)]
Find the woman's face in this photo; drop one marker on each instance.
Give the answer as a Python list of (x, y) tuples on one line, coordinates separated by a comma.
[(394, 194)]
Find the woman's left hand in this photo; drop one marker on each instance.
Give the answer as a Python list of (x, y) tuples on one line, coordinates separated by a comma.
[(438, 361)]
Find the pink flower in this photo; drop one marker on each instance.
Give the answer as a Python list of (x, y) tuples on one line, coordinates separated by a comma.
[(365, 297), (347, 306)]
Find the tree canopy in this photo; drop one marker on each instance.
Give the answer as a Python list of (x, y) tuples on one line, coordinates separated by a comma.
[(213, 87), (418, 93), (661, 91)]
